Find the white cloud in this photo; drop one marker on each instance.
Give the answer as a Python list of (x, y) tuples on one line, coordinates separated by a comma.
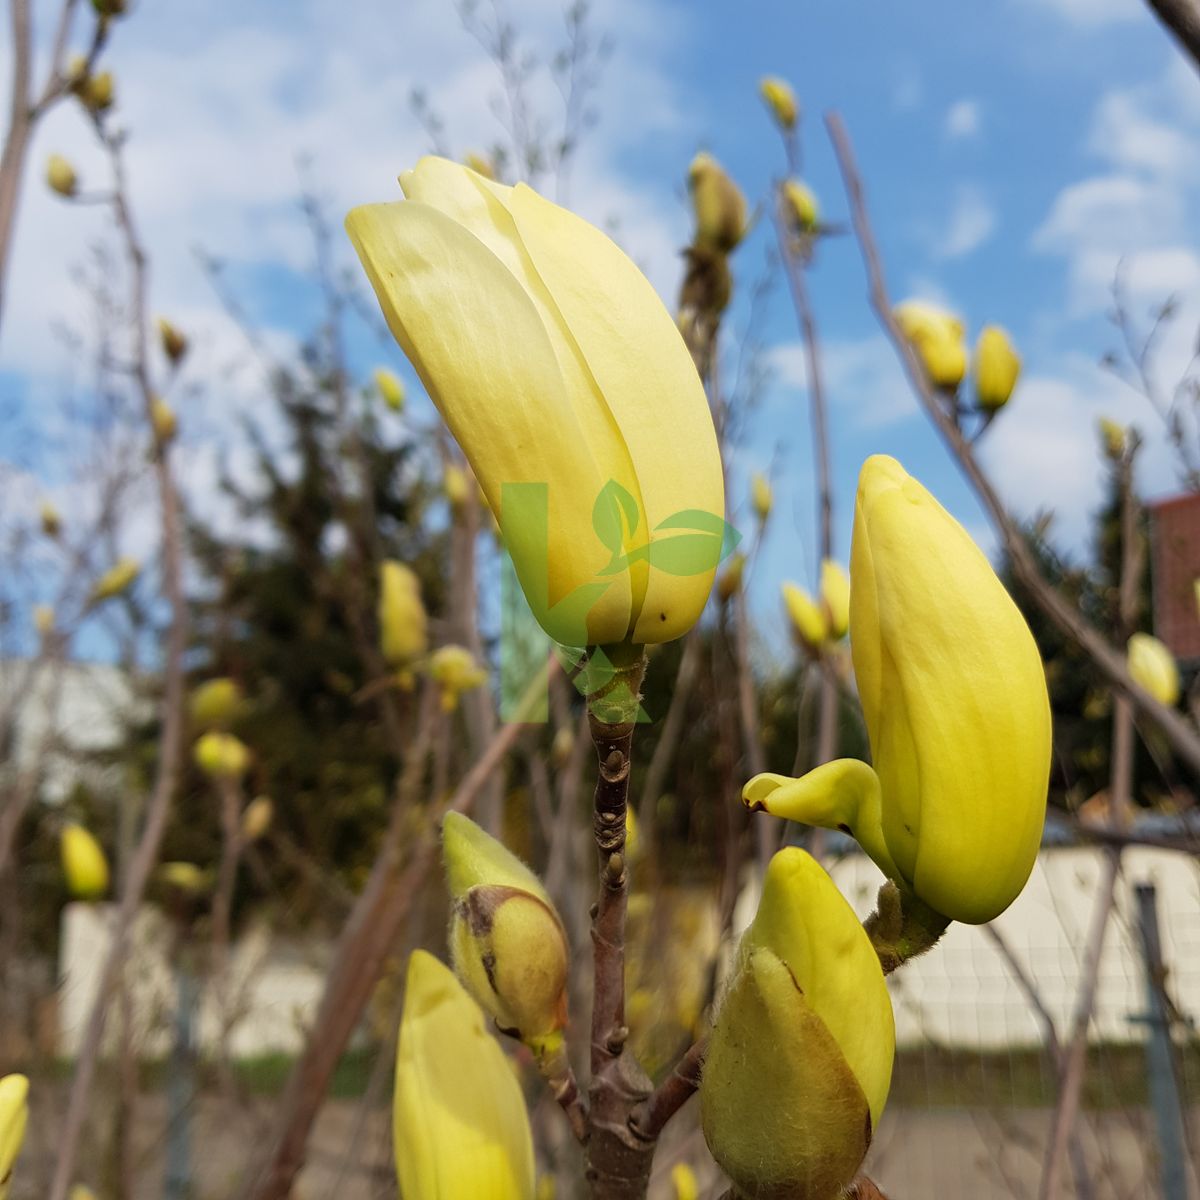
[(971, 222), (1091, 13), (963, 120)]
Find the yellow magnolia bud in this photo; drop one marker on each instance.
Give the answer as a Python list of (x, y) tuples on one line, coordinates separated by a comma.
[(781, 100), (163, 420), (184, 876), (455, 485), (1153, 666), (84, 865), (256, 820), (507, 941), (61, 177), (937, 337), (997, 365), (221, 756), (954, 696), (730, 579), (683, 1180), (14, 1116), (800, 207), (541, 345), (761, 495), (1113, 437), (562, 747), (481, 165), (51, 521), (80, 1192), (215, 703), (77, 69), (454, 670), (388, 384), (98, 92), (403, 633), (116, 579), (109, 8), (43, 619), (835, 595), (174, 344), (809, 622), (718, 204), (459, 1118), (800, 1057)]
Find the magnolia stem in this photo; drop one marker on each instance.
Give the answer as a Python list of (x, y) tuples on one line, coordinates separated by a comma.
[(649, 1118)]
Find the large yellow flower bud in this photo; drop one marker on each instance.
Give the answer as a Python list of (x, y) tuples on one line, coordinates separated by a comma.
[(61, 177), (458, 1116), (403, 634), (14, 1116), (997, 365), (800, 1058), (800, 207), (835, 595), (937, 337), (571, 392), (718, 204), (215, 703), (508, 943), (388, 384), (954, 697), (809, 622), (221, 756), (781, 100), (84, 866), (116, 579), (1153, 666)]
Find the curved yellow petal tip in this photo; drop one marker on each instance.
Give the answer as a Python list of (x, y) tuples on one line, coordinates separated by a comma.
[(756, 790)]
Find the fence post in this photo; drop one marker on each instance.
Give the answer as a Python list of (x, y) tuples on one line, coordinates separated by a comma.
[(1160, 1066)]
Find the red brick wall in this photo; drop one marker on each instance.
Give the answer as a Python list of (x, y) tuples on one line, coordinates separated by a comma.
[(1175, 566)]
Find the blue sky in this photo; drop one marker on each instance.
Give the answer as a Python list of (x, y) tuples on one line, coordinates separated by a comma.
[(1012, 156)]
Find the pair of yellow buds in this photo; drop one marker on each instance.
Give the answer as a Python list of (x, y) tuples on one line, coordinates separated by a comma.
[(819, 622), (938, 336)]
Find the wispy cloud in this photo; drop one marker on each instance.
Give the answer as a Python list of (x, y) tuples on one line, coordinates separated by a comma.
[(964, 119), (972, 220)]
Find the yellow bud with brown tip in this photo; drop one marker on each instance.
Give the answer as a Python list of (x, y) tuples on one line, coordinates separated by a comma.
[(800, 207), (221, 756), (256, 820), (809, 622), (730, 579), (174, 343), (1153, 666), (98, 92), (800, 1056), (761, 495), (84, 866), (508, 944), (781, 100), (215, 703), (718, 205), (116, 579), (14, 1116), (403, 634), (390, 389), (997, 366), (43, 619), (937, 337), (163, 420), (50, 519), (61, 177), (835, 596), (454, 670)]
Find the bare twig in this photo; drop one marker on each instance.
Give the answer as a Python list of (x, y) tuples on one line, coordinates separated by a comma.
[(650, 1117), (1110, 661)]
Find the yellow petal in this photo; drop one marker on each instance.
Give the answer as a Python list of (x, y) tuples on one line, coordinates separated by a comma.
[(14, 1116), (459, 1118)]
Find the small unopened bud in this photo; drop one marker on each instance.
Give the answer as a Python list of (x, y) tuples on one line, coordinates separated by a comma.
[(84, 866), (43, 619), (761, 495), (800, 207), (454, 670), (781, 100), (808, 619), (937, 338), (730, 579), (401, 614), (1153, 666), (455, 485), (98, 92), (51, 521), (14, 1116), (61, 177), (81, 1192), (390, 389), (683, 1180), (256, 820), (215, 703), (109, 8), (835, 596), (997, 366), (77, 71), (562, 747), (508, 943), (163, 419), (546, 1188), (1113, 437), (719, 206), (116, 579), (174, 343), (221, 756), (184, 877)]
